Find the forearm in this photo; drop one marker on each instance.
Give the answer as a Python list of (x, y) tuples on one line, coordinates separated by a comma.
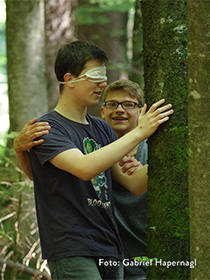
[(112, 153), (148, 124), (24, 161), (135, 183), (89, 165)]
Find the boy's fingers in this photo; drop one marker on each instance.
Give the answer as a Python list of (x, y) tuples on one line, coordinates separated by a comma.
[(165, 114), (131, 171), (156, 105), (163, 120), (143, 110), (38, 142), (40, 128), (131, 165), (32, 121), (40, 125), (127, 159), (40, 133), (162, 109)]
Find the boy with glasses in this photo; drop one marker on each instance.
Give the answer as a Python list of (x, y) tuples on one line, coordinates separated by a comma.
[(72, 170), (122, 104)]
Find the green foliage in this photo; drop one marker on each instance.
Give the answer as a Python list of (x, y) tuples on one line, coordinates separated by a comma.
[(3, 61), (90, 15), (2, 152), (19, 239), (154, 228), (117, 5), (94, 12), (6, 154), (144, 259)]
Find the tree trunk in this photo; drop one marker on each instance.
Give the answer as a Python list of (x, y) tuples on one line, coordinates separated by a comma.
[(137, 71), (165, 54), (25, 61), (110, 36), (199, 135), (60, 29)]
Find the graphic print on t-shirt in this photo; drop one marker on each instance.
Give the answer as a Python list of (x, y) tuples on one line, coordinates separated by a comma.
[(98, 181)]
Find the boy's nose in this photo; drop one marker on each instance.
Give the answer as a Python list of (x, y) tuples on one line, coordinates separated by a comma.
[(119, 108), (102, 84)]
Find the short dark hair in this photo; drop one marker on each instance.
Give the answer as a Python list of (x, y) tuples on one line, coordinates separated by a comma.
[(72, 57)]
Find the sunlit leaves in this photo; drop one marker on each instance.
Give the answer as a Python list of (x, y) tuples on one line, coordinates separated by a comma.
[(119, 5), (94, 11)]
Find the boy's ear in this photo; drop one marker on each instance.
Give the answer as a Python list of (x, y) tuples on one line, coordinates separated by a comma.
[(102, 113), (68, 77)]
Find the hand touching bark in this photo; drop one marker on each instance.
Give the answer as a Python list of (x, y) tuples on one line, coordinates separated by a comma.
[(156, 115)]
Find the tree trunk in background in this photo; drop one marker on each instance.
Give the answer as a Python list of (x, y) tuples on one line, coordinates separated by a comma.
[(199, 135), (27, 99), (25, 61), (60, 25), (137, 70), (111, 37), (165, 54)]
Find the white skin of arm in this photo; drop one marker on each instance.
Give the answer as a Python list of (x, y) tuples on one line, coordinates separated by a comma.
[(24, 161), (136, 183), (75, 162), (138, 179)]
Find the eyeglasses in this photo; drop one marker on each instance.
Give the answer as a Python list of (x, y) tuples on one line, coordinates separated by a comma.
[(127, 105)]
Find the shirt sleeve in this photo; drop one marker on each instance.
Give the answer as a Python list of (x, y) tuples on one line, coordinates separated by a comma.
[(55, 142)]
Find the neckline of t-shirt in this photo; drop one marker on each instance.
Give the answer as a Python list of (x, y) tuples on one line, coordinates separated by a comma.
[(78, 123)]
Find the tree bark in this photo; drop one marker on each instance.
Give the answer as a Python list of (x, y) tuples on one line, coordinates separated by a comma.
[(60, 30), (25, 61), (110, 36), (137, 70), (199, 135), (165, 55)]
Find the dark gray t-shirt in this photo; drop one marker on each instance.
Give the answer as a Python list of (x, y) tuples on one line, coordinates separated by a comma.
[(131, 215), (75, 217)]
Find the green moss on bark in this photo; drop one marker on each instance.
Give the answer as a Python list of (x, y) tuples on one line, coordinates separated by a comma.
[(165, 56)]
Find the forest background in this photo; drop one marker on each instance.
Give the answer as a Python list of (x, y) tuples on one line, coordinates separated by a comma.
[(164, 45)]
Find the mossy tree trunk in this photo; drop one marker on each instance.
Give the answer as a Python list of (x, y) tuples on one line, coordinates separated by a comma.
[(199, 135), (25, 61), (165, 55)]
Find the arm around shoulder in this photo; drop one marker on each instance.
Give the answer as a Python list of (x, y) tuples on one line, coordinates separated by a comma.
[(25, 141), (24, 161)]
